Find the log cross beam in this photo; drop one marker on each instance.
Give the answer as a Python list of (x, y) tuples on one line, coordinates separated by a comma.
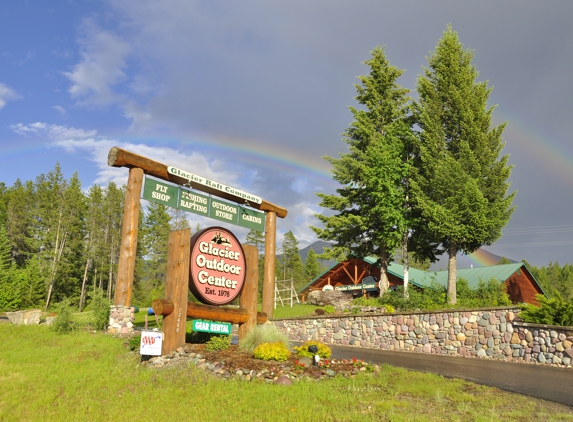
[(212, 313)]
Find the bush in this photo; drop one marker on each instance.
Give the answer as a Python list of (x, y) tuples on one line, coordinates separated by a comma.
[(554, 311), (63, 322), (323, 350), (134, 343), (218, 342), (100, 307), (329, 309), (272, 351), (262, 334)]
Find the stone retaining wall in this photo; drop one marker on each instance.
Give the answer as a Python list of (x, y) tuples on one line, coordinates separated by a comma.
[(485, 333)]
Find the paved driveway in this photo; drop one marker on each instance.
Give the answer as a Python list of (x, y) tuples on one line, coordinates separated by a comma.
[(544, 382)]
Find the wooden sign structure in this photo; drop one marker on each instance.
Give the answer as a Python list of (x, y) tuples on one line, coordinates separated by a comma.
[(175, 308), (139, 166)]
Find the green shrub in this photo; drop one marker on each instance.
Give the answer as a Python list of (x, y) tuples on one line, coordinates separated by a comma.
[(262, 334), (197, 337), (272, 351), (100, 306), (554, 311), (323, 350), (64, 321), (134, 343), (329, 309), (218, 342), (389, 308)]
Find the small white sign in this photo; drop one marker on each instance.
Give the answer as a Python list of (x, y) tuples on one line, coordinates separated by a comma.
[(151, 342)]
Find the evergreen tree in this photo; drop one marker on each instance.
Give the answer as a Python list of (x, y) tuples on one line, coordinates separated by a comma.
[(291, 262), (312, 268), (372, 213), (20, 220), (257, 238), (461, 183), (155, 230), (8, 296), (178, 219)]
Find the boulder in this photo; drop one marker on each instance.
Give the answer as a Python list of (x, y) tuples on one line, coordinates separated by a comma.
[(25, 317), (333, 297)]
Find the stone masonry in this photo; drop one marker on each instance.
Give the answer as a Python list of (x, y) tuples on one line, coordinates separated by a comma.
[(121, 319), (484, 333)]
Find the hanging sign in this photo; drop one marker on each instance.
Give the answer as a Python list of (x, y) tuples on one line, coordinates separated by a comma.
[(194, 202), (194, 178), (217, 266), (252, 219), (162, 193)]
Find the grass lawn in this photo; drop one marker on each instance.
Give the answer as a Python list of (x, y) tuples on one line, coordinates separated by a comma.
[(91, 377)]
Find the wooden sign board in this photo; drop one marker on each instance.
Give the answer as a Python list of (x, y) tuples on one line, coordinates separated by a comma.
[(196, 203)]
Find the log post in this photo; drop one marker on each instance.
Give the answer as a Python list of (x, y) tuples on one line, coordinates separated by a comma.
[(269, 269), (249, 296), (126, 265), (176, 285)]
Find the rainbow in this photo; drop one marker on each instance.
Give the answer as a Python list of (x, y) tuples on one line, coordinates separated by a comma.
[(479, 258), (255, 152), (556, 159)]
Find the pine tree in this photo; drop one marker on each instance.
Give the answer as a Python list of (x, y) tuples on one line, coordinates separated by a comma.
[(155, 231), (372, 214), (461, 183), (312, 268), (8, 296), (257, 238), (291, 262)]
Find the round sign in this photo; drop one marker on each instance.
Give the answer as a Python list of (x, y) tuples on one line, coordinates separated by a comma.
[(217, 266)]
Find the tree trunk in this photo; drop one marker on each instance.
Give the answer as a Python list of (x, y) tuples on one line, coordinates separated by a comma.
[(82, 295), (58, 249), (406, 263), (384, 283), (452, 252)]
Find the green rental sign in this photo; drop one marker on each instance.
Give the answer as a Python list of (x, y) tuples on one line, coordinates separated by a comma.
[(211, 327), (161, 193), (196, 203)]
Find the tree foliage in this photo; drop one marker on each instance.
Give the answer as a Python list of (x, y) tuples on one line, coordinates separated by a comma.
[(370, 217), (461, 181)]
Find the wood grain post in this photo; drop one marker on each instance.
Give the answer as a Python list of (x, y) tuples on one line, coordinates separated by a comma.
[(269, 274), (176, 285), (249, 295), (126, 265)]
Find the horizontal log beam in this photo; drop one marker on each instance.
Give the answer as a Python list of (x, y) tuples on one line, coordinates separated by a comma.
[(211, 313), (118, 157)]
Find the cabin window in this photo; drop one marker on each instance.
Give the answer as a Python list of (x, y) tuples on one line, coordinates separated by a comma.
[(519, 271)]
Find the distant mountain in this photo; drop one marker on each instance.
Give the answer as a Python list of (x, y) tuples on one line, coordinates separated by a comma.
[(318, 248)]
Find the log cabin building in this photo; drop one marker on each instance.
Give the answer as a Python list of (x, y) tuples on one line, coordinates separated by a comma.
[(360, 277)]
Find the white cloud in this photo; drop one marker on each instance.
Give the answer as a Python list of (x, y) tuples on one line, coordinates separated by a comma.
[(52, 132), (7, 94), (60, 109), (101, 67)]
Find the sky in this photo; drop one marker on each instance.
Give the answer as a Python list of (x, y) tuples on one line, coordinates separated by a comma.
[(254, 93)]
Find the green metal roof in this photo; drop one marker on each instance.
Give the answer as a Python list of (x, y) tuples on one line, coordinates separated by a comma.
[(424, 279)]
